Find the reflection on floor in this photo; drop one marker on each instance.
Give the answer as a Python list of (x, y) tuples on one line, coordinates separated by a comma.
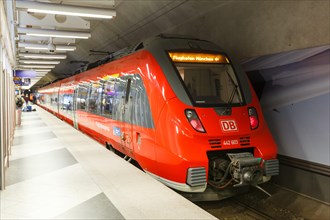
[(39, 158), (56, 172)]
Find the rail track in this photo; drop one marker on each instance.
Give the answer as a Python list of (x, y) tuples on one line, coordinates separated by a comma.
[(251, 206)]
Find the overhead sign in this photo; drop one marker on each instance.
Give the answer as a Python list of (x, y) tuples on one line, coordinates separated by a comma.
[(197, 57), (25, 73), (26, 82), (18, 81)]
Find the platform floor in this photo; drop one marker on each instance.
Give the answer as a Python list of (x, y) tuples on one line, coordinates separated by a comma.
[(56, 172)]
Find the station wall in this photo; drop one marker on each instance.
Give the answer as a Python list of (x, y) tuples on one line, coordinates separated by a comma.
[(255, 28), (296, 106), (295, 101)]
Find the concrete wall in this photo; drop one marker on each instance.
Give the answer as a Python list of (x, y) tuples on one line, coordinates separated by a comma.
[(302, 129), (296, 105), (255, 28), (296, 102)]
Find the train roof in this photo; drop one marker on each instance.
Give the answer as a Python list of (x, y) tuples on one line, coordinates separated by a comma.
[(141, 45), (156, 45)]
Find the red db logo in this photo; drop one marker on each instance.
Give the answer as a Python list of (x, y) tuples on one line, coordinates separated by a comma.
[(228, 125)]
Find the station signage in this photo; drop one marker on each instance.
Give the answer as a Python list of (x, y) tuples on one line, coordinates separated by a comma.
[(197, 57), (25, 73)]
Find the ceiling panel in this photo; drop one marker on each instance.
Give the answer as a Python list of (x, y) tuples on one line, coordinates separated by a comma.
[(135, 21)]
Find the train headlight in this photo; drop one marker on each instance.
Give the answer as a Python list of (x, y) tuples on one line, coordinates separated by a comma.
[(194, 121), (253, 117)]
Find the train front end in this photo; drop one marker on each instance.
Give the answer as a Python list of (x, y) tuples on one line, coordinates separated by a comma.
[(216, 138)]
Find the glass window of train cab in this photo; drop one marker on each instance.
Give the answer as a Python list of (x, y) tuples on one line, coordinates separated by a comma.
[(82, 97), (94, 98), (210, 84)]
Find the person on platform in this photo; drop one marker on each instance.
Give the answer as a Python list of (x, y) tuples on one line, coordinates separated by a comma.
[(34, 99), (26, 98), (19, 101)]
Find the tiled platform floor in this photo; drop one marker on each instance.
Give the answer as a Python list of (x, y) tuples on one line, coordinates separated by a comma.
[(56, 172)]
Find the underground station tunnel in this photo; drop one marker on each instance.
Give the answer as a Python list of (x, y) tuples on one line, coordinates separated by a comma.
[(165, 109)]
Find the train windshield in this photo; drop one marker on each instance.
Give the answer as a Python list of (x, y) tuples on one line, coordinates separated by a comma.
[(211, 81)]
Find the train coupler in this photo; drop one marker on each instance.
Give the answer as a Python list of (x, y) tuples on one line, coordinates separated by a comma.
[(245, 169)]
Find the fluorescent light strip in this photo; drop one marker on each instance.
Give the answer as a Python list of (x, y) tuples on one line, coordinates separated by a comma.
[(69, 13), (71, 10), (39, 61), (36, 70), (53, 33), (31, 46), (36, 48), (43, 56), (56, 35), (38, 66), (42, 70), (65, 48)]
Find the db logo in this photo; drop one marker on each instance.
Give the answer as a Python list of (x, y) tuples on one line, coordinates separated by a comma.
[(228, 125)]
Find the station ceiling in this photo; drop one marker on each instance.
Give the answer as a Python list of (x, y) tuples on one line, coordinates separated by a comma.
[(134, 21), (249, 29)]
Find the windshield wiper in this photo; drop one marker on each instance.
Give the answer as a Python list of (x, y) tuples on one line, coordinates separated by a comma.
[(232, 95)]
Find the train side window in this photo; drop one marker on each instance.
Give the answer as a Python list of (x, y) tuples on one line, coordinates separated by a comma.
[(82, 97), (128, 108), (67, 102), (60, 99), (107, 98), (94, 98), (128, 88), (41, 98), (54, 102), (47, 99), (141, 113), (118, 99)]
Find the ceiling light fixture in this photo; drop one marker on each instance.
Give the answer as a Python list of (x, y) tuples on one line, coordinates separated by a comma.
[(53, 33), (43, 56), (71, 10), (45, 47), (38, 66), (36, 70), (40, 61), (42, 74)]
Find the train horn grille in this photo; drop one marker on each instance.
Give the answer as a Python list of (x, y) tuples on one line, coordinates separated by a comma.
[(196, 176), (215, 143), (244, 141)]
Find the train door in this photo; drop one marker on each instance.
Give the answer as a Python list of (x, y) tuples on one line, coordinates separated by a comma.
[(126, 118), (74, 108)]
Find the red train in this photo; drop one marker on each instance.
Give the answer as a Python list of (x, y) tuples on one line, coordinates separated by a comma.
[(181, 107)]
